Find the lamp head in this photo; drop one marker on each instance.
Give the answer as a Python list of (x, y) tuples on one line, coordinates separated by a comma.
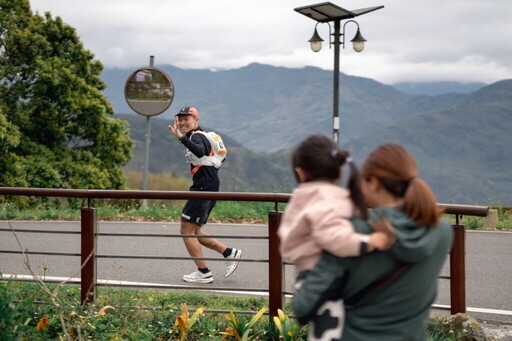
[(358, 41), (316, 42)]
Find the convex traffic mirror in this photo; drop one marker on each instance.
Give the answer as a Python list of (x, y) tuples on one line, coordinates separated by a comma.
[(149, 91)]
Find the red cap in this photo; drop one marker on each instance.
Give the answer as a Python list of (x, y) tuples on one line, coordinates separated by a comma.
[(188, 111)]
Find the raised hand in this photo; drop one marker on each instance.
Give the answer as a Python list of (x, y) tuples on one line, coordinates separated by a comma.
[(383, 237), (175, 129)]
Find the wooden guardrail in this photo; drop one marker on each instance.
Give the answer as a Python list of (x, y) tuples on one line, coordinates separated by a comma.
[(275, 262)]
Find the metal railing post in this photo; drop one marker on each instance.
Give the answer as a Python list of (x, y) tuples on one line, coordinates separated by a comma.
[(458, 270), (275, 265), (88, 255)]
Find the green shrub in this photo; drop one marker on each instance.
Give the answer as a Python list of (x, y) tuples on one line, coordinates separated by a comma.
[(474, 223), (129, 314), (13, 317), (458, 327)]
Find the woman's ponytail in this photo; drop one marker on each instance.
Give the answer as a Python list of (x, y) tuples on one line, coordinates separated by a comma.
[(420, 203)]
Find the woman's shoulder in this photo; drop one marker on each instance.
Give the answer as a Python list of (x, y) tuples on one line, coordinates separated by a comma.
[(445, 228), (391, 213)]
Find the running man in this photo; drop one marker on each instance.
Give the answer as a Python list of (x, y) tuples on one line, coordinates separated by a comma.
[(204, 166)]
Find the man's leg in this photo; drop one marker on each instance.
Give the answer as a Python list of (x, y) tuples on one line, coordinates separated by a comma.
[(210, 243), (202, 274), (198, 211), (192, 244)]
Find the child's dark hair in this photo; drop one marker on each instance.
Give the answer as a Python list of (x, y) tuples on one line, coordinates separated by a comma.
[(321, 159)]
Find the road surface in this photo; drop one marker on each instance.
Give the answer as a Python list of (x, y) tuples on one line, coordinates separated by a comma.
[(488, 260)]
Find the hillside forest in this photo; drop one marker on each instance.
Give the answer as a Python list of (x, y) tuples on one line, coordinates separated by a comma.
[(461, 141), (64, 122)]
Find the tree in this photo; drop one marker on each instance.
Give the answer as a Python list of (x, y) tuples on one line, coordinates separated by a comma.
[(56, 128)]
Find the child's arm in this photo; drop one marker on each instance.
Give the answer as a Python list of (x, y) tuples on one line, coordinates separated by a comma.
[(383, 238), (335, 233), (413, 241), (332, 230)]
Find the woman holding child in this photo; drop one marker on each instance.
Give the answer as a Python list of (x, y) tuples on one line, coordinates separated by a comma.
[(386, 294)]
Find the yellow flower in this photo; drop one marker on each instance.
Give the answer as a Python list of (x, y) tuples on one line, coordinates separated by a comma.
[(43, 323)]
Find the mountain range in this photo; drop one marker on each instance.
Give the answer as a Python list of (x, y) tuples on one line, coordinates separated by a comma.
[(437, 88), (461, 140)]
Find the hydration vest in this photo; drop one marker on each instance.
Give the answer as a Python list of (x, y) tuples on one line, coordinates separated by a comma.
[(217, 154)]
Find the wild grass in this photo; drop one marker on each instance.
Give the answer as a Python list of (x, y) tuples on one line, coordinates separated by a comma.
[(157, 182), (132, 210), (128, 314), (224, 211), (20, 208), (475, 223)]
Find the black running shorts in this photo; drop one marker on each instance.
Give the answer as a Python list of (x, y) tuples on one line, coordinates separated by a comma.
[(197, 211)]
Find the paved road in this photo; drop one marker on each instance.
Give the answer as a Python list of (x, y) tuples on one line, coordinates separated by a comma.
[(488, 259)]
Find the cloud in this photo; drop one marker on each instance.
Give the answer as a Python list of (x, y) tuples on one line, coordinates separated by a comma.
[(408, 40)]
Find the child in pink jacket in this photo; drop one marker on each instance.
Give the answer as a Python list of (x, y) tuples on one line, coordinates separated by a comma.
[(318, 215), (317, 218)]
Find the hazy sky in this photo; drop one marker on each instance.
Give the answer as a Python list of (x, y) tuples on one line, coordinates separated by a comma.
[(408, 40)]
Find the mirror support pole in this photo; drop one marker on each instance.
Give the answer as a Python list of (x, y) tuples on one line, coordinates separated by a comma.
[(146, 145), (146, 157), (149, 92)]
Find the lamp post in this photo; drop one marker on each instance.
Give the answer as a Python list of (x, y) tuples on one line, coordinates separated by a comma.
[(326, 12)]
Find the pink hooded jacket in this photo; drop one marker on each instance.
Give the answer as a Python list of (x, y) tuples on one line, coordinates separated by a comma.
[(316, 219)]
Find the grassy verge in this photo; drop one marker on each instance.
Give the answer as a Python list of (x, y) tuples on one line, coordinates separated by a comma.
[(475, 223), (225, 211), (124, 314)]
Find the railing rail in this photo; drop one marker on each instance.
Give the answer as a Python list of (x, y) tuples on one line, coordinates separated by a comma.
[(89, 235), (471, 210)]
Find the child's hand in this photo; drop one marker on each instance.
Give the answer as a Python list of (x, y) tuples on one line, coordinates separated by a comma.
[(380, 241), (383, 226), (383, 237)]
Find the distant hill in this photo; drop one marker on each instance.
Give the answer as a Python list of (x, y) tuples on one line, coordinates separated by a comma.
[(464, 153), (437, 88), (462, 141), (269, 108), (244, 170)]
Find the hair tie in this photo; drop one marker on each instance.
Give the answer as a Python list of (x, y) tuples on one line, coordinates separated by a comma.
[(349, 160), (334, 153)]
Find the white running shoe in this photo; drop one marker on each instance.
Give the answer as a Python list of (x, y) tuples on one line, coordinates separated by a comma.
[(231, 265), (199, 277)]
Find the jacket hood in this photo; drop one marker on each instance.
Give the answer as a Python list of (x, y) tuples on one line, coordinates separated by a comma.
[(414, 242)]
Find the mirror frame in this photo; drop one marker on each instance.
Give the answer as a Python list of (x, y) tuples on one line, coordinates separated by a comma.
[(151, 83)]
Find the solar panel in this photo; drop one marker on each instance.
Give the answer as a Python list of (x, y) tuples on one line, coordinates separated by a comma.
[(327, 11)]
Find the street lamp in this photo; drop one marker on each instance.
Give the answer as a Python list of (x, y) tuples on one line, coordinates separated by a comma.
[(326, 12), (357, 41)]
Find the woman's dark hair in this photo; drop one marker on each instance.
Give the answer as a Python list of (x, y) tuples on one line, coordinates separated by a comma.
[(396, 170), (321, 159)]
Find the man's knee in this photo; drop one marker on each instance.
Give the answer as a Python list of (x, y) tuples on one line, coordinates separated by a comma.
[(189, 228)]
